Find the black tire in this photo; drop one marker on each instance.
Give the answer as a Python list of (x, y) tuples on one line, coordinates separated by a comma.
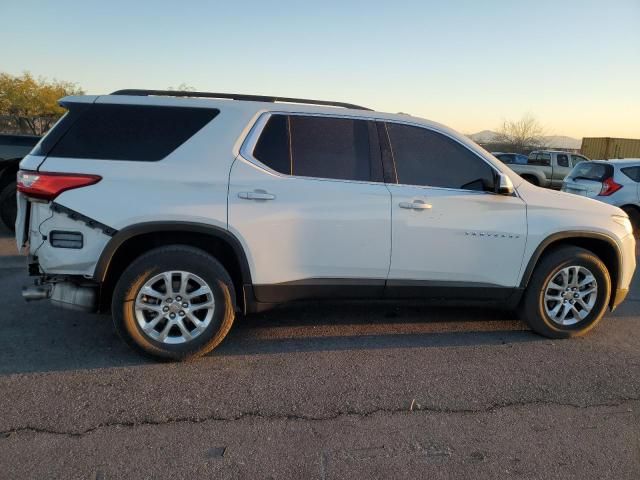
[(532, 308), (8, 206), (173, 258), (634, 216), (532, 180)]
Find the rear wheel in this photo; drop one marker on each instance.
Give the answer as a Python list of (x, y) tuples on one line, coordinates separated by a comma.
[(568, 293), (8, 206), (174, 303)]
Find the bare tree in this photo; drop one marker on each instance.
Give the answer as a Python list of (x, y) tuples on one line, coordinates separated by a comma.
[(521, 135)]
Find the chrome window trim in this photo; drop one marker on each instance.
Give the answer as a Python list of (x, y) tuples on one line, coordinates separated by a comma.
[(251, 139)]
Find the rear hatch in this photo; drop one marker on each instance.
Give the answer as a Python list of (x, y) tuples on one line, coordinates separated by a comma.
[(587, 179)]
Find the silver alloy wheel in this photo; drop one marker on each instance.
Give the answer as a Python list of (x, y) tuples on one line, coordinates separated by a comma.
[(570, 295), (174, 307)]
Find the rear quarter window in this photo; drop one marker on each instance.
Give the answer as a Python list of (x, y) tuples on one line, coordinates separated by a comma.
[(130, 132), (632, 172)]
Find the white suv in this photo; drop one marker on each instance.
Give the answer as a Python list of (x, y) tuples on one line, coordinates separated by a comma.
[(176, 210)]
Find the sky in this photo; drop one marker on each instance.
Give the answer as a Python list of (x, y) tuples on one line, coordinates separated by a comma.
[(574, 65)]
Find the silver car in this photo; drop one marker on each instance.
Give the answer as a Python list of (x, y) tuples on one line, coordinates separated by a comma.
[(615, 182)]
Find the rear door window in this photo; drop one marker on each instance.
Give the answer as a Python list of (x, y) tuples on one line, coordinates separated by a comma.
[(129, 132), (330, 148), (425, 157), (563, 160), (320, 147)]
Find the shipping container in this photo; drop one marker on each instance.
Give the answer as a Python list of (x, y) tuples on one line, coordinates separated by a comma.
[(606, 148)]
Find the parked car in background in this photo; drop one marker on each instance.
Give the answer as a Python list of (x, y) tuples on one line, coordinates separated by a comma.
[(616, 182), (511, 158), (12, 149), (176, 213), (547, 168)]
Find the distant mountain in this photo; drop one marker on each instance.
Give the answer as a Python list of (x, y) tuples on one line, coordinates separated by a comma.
[(552, 141), (485, 136)]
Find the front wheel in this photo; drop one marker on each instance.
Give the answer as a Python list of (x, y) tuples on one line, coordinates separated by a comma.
[(568, 293), (174, 303)]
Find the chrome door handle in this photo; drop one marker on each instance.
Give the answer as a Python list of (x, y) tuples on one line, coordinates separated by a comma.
[(416, 205), (256, 195)]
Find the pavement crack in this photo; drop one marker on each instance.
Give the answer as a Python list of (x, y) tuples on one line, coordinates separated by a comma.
[(417, 409)]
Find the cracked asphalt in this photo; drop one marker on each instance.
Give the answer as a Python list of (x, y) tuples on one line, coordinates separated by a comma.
[(360, 390)]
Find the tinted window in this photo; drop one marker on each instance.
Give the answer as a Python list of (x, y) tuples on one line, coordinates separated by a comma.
[(563, 160), (424, 157), (272, 148), (321, 147), (537, 158), (591, 171), (130, 132), (632, 172), (330, 148)]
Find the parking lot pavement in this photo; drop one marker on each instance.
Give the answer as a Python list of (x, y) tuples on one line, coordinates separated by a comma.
[(365, 390)]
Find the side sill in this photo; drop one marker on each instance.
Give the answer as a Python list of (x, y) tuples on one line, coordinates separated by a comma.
[(446, 290), (259, 298), (320, 288)]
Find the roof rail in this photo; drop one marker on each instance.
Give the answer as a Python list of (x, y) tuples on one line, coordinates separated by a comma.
[(236, 96)]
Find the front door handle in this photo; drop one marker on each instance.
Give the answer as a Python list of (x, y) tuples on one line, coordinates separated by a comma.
[(256, 195), (416, 205)]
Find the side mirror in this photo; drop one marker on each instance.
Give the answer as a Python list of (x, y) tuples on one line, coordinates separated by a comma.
[(505, 187)]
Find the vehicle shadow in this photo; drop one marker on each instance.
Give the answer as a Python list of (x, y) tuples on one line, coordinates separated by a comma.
[(318, 326), (40, 338), (37, 337)]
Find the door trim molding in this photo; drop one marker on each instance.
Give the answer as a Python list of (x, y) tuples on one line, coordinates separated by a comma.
[(364, 288)]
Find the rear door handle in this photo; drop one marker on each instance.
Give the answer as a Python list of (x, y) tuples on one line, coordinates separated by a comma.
[(256, 195), (416, 205)]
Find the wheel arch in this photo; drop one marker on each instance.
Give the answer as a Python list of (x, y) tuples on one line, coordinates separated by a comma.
[(602, 245), (130, 242)]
